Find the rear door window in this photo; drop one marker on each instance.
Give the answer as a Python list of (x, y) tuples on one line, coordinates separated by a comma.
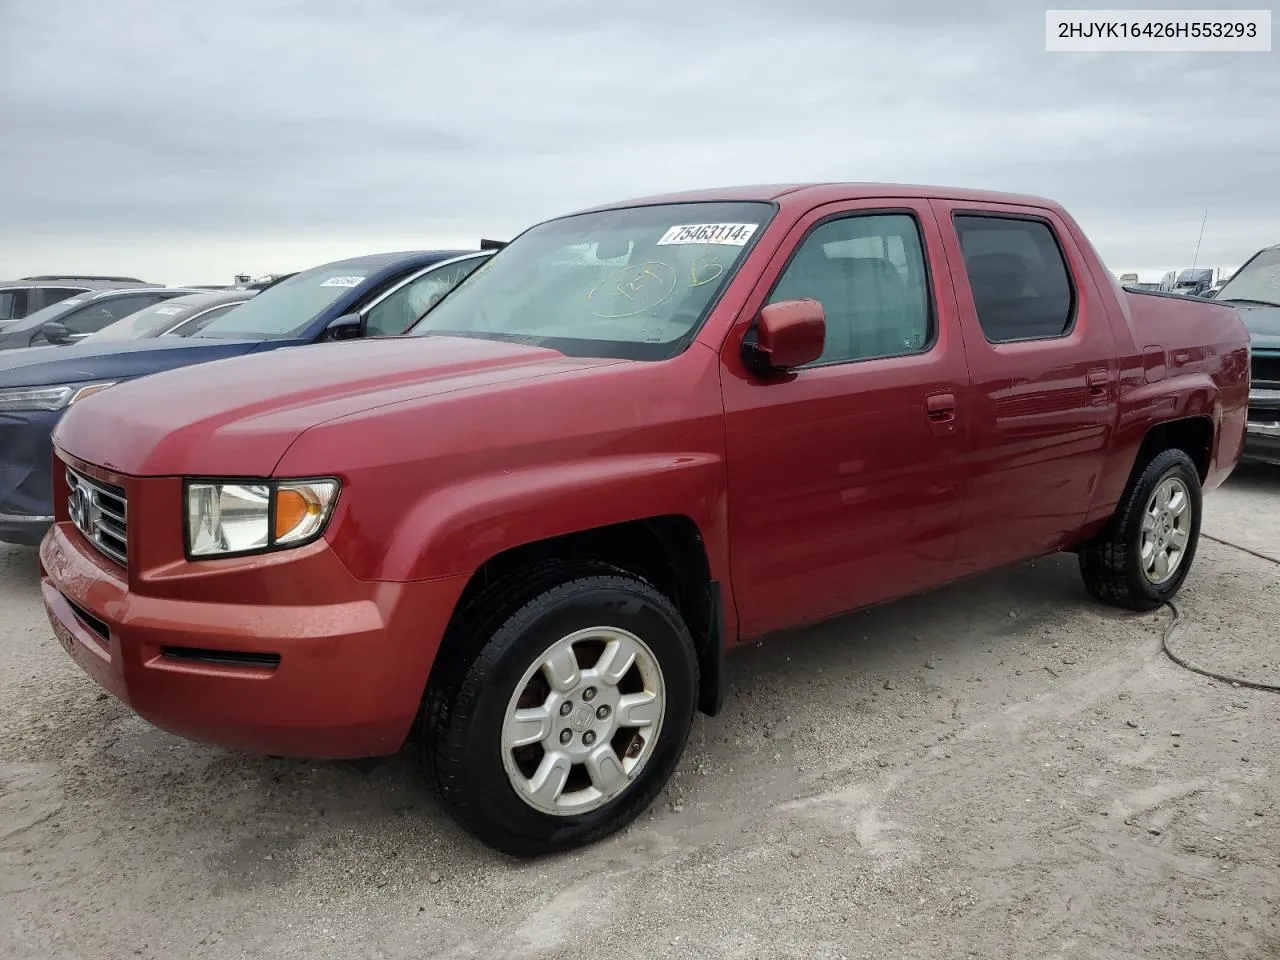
[(1021, 287), (13, 303), (51, 295)]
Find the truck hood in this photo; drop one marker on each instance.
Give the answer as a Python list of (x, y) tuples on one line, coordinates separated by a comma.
[(1263, 324), (239, 417), (122, 360)]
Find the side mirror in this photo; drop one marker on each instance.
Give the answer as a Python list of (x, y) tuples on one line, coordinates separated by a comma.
[(787, 334), (56, 332), (349, 326)]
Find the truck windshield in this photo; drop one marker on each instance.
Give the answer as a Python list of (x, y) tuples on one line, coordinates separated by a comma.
[(633, 283), (288, 307), (1258, 281)]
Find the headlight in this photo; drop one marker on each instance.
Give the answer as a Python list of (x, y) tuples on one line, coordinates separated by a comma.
[(48, 398), (252, 516)]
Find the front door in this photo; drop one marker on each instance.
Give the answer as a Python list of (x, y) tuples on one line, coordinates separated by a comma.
[(842, 488), (1043, 361)]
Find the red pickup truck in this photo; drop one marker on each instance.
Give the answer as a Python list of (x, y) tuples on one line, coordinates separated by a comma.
[(639, 435)]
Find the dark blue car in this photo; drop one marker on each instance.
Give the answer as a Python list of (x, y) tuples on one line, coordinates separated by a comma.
[(379, 295)]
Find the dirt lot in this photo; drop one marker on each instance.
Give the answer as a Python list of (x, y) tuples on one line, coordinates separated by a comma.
[(999, 769)]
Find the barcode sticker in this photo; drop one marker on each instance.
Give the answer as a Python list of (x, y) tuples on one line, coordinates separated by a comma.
[(734, 234)]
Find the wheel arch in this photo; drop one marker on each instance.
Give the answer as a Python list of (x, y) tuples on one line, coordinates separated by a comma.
[(1175, 411), (1193, 435), (667, 551)]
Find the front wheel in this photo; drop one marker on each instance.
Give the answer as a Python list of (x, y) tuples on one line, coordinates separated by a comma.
[(569, 719), (1143, 555)]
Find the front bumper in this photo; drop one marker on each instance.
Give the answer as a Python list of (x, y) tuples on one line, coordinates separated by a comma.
[(284, 653), (1262, 431), (1262, 441), (26, 451)]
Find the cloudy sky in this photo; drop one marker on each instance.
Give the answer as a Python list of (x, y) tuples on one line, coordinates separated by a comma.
[(185, 142)]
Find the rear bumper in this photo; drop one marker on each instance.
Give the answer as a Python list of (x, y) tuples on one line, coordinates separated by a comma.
[(26, 453), (339, 675)]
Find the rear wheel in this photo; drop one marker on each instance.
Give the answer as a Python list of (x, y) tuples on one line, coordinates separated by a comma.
[(1143, 555), (569, 718)]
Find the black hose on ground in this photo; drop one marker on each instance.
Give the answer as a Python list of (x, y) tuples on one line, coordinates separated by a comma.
[(1177, 616)]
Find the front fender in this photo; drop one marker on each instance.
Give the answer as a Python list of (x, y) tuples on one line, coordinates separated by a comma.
[(454, 529)]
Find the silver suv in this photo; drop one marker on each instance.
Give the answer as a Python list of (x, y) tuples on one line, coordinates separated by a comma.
[(19, 298)]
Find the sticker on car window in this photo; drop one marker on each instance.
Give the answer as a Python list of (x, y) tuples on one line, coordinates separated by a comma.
[(343, 282), (735, 234), (168, 311)]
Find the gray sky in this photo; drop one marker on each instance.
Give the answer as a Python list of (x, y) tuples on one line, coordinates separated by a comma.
[(183, 142)]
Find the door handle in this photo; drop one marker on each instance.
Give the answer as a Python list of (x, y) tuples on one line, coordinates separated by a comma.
[(941, 407), (1097, 380)]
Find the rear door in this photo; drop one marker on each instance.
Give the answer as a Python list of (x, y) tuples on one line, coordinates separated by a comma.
[(841, 482), (1043, 362)]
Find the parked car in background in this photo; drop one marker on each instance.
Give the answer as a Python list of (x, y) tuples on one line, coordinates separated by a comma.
[(1193, 281), (77, 317), (243, 282), (639, 435), (246, 282), (372, 296), (181, 316), (1254, 290), (21, 298), (1212, 292)]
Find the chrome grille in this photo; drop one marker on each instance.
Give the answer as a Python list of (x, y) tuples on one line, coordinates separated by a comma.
[(101, 512), (1266, 369)]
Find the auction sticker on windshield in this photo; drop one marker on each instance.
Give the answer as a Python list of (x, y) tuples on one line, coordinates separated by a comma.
[(342, 282), (735, 234)]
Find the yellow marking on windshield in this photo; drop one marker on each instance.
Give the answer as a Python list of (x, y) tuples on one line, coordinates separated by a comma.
[(644, 284), (705, 269)]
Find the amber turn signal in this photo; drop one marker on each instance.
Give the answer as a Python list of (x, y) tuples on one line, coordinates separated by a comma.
[(301, 509), (292, 509)]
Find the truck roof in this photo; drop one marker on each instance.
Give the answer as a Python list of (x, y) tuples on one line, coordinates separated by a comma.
[(817, 193)]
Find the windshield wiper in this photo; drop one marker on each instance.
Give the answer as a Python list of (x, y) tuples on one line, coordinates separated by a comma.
[(528, 340), (1260, 303)]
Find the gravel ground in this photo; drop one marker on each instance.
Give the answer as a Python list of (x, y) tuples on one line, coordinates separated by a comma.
[(997, 769)]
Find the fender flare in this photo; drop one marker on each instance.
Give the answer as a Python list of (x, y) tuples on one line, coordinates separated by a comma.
[(1179, 397)]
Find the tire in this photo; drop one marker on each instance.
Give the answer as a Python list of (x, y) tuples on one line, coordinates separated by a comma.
[(493, 660), (1112, 563)]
